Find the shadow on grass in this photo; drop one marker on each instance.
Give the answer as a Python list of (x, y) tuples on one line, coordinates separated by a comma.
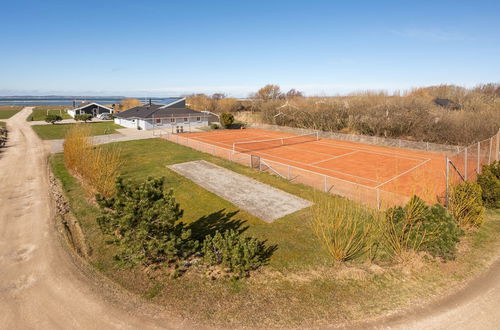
[(217, 221)]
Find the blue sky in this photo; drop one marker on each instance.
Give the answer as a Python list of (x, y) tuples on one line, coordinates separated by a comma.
[(165, 48)]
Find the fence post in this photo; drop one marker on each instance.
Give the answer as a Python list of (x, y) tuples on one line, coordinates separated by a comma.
[(465, 164), (447, 177), (478, 168), (325, 183), (288, 175)]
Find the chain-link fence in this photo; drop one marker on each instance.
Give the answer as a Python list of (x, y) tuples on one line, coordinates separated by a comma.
[(367, 139), (460, 166), (466, 164)]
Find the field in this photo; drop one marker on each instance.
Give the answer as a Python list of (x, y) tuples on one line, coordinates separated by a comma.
[(7, 111), (372, 174), (300, 286), (58, 131), (39, 113)]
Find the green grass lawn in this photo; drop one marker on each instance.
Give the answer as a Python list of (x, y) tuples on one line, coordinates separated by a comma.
[(7, 111), (58, 131), (300, 286), (41, 113)]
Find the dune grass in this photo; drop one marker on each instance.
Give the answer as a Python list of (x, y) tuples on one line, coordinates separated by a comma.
[(7, 111), (58, 131)]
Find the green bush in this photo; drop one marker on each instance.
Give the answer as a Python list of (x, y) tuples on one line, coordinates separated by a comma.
[(214, 126), (238, 254), (83, 117), (53, 118), (142, 220), (226, 119), (489, 180), (466, 205), (416, 226)]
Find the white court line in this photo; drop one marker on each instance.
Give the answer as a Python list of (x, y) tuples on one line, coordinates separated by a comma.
[(339, 156), (375, 152), (401, 174), (334, 171), (321, 168)]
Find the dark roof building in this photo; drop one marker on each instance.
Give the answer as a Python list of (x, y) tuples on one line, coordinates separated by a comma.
[(447, 103), (176, 108)]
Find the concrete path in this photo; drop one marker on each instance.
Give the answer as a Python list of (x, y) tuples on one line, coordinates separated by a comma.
[(259, 199), (41, 286)]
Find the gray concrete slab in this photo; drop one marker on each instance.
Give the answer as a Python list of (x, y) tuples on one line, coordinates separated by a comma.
[(257, 198)]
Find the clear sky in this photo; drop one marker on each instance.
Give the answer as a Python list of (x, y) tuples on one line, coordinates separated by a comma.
[(166, 48)]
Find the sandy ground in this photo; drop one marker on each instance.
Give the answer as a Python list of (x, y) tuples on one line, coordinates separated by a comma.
[(41, 286), (259, 199)]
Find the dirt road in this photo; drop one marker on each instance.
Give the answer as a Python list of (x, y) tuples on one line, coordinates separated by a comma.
[(40, 285)]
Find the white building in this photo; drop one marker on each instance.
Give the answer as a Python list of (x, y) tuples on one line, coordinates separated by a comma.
[(172, 117)]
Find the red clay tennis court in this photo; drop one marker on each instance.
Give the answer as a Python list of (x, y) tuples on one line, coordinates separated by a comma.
[(375, 175)]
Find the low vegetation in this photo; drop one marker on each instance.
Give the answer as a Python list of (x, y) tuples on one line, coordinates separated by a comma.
[(489, 181), (53, 119), (83, 117), (346, 263), (346, 230), (55, 132), (7, 111), (466, 205), (418, 227)]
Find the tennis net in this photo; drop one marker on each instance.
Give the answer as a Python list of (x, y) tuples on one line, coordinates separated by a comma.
[(246, 146)]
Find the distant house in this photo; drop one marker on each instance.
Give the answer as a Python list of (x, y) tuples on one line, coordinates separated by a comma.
[(93, 109), (447, 103), (173, 116)]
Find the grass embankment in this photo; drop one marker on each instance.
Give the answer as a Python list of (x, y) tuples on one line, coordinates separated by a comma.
[(3, 124), (300, 286), (58, 131), (7, 111), (39, 113)]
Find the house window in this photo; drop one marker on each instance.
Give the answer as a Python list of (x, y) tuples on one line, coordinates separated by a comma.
[(198, 119), (185, 120), (158, 120), (172, 120)]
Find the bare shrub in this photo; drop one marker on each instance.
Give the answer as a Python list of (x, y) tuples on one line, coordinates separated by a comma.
[(97, 167)]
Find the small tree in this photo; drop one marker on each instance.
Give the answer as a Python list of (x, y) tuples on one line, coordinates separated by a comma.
[(226, 119), (269, 92), (83, 117), (142, 219), (53, 119)]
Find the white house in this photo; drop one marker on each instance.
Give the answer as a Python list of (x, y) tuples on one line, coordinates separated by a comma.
[(93, 109), (174, 117)]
